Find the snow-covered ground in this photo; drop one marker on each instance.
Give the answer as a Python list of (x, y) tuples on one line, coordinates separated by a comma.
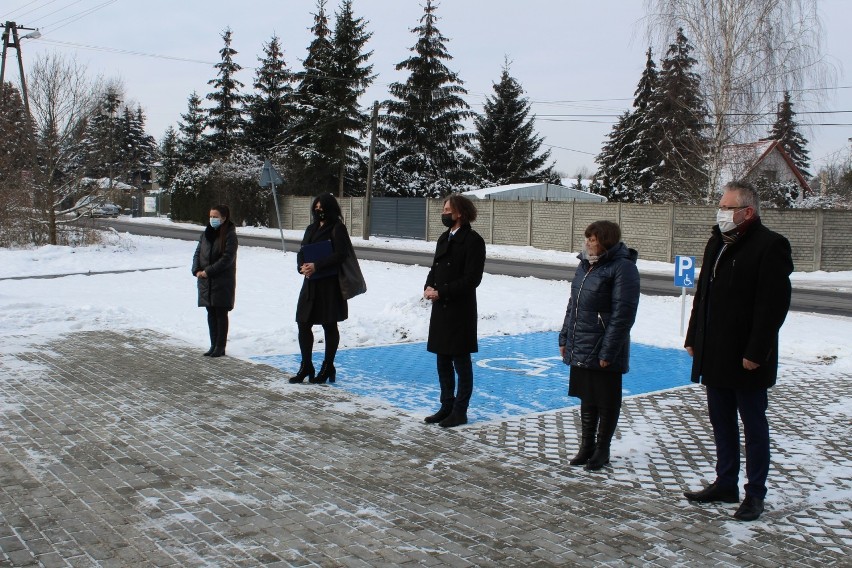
[(392, 311)]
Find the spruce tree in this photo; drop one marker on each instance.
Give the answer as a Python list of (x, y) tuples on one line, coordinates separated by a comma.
[(680, 122), (169, 159), (786, 129), (225, 117), (506, 148), (628, 160), (314, 137), (268, 113), (423, 131), (192, 144), (101, 149), (352, 77), (139, 149)]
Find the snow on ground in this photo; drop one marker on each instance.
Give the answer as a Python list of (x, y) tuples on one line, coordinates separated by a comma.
[(392, 311)]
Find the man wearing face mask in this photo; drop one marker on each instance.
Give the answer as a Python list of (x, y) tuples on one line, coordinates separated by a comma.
[(741, 301), (451, 287)]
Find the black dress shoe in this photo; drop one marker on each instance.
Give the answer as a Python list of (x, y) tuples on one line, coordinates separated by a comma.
[(453, 420), (713, 494), (442, 413), (750, 509)]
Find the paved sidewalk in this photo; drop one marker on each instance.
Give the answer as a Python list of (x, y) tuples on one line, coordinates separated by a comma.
[(133, 450)]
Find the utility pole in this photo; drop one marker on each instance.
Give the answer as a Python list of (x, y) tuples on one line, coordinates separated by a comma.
[(10, 31), (365, 234)]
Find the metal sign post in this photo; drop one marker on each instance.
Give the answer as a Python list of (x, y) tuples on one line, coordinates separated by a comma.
[(269, 177), (684, 277)]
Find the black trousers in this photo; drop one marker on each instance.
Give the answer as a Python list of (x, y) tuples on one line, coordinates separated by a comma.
[(217, 323), (306, 341), (448, 367), (723, 405)]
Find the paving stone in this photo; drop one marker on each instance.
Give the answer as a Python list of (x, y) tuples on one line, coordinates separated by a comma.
[(169, 459)]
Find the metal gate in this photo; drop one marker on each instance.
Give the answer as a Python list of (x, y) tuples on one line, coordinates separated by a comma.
[(403, 217)]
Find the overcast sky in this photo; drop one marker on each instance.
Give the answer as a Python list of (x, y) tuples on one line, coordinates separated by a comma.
[(578, 60)]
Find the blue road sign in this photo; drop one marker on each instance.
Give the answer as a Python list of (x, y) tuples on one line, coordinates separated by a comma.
[(684, 276)]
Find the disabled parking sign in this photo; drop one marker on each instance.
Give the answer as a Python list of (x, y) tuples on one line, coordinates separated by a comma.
[(684, 276)]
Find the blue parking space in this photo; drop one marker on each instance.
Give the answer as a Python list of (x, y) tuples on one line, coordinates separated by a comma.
[(513, 375)]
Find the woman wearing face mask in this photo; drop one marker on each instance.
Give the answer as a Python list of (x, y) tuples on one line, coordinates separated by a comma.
[(451, 287), (321, 301), (595, 336), (215, 267)]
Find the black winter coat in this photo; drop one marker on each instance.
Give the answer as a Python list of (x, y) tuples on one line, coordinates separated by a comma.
[(219, 289), (320, 300), (601, 311), (456, 272), (737, 313)]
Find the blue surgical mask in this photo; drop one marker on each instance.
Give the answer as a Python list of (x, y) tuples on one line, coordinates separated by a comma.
[(215, 222)]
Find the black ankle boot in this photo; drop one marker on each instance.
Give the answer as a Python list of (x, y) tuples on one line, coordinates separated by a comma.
[(210, 351), (588, 426), (326, 373), (305, 370), (442, 413), (218, 352)]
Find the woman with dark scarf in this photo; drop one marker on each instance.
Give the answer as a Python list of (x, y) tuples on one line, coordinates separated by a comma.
[(321, 301), (215, 267), (595, 336)]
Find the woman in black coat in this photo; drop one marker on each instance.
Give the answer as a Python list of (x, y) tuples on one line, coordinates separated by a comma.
[(321, 301), (595, 336), (451, 287), (215, 267)]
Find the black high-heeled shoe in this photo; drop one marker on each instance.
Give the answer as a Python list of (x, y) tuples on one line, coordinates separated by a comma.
[(305, 370), (327, 373)]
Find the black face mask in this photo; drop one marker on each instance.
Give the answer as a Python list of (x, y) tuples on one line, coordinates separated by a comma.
[(447, 220), (319, 215)]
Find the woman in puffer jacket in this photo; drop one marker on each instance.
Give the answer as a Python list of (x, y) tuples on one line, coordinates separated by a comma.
[(595, 336), (215, 267)]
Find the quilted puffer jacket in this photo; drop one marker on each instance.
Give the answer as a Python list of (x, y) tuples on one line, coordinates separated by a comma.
[(601, 311)]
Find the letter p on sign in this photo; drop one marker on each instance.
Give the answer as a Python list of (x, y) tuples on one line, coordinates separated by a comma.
[(684, 276)]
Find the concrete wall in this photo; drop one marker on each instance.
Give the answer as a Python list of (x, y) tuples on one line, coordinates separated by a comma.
[(819, 238)]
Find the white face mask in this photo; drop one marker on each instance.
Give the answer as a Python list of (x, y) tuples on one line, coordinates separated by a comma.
[(725, 220), (215, 222)]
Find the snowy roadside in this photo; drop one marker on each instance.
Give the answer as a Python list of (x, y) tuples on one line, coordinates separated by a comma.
[(391, 312)]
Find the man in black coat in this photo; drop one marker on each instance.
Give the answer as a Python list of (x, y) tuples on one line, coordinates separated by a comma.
[(451, 287), (741, 301)]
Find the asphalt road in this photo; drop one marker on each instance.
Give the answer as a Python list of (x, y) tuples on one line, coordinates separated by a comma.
[(804, 300)]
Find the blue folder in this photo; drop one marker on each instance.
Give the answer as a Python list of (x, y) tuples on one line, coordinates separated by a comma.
[(315, 252)]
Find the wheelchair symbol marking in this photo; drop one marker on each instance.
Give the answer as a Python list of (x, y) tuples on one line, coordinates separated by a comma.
[(532, 367)]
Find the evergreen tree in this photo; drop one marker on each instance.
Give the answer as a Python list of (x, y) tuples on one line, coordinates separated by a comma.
[(192, 144), (268, 111), (629, 159), (680, 128), (313, 138), (101, 149), (506, 148), (225, 117), (786, 129), (352, 77), (169, 158), (422, 130), (139, 149)]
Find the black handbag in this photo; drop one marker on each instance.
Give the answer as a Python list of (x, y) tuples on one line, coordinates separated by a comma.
[(349, 275)]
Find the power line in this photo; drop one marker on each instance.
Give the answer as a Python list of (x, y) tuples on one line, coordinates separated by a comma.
[(10, 14)]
